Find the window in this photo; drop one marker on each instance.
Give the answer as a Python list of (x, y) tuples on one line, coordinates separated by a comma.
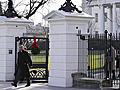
[(105, 17), (96, 17), (96, 32)]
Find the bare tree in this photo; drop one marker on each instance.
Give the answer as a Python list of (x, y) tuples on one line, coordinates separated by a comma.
[(28, 8), (34, 8)]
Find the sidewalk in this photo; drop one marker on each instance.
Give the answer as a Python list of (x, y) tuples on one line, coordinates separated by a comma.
[(36, 86)]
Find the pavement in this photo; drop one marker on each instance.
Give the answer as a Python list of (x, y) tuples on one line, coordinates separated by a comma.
[(40, 86), (35, 86)]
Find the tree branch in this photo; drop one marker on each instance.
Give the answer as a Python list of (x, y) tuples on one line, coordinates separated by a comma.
[(34, 9)]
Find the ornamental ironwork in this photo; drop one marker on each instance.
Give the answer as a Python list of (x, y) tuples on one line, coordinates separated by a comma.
[(39, 72), (68, 6), (10, 12)]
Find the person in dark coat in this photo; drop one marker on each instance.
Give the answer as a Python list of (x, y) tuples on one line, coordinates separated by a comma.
[(117, 62), (22, 68), (110, 66), (29, 62)]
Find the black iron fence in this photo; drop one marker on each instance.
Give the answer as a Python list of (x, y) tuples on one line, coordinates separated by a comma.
[(96, 55), (104, 56)]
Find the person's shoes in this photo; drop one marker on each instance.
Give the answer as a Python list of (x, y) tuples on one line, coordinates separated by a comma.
[(13, 84), (27, 85)]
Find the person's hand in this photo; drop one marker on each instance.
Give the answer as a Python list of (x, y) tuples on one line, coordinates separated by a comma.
[(31, 66)]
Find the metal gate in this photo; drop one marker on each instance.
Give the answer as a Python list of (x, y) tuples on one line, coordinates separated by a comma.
[(39, 70), (104, 56)]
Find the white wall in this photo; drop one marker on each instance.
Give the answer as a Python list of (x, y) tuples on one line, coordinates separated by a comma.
[(63, 53), (64, 45), (8, 32), (96, 9), (98, 2)]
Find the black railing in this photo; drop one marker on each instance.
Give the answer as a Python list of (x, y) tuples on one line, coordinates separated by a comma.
[(103, 56)]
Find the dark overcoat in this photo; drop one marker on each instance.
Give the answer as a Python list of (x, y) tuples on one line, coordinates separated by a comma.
[(117, 61), (113, 54), (24, 61)]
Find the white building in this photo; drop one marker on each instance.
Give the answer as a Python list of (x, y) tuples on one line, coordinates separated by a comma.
[(106, 13), (39, 29)]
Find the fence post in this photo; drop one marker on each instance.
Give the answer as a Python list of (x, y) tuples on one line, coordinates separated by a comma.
[(110, 53), (119, 64), (47, 48), (16, 40), (79, 33), (106, 52)]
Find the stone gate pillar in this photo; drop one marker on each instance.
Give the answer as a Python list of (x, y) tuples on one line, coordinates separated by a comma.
[(9, 29), (64, 45)]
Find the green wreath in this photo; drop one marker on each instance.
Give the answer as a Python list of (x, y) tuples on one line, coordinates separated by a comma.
[(35, 50)]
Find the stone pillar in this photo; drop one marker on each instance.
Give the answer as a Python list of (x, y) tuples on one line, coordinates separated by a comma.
[(63, 58), (102, 22), (64, 45), (110, 21), (9, 29), (114, 18)]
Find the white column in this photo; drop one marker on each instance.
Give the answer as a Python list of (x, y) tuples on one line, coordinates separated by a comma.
[(110, 21), (90, 10), (102, 23), (8, 32), (64, 47), (114, 18)]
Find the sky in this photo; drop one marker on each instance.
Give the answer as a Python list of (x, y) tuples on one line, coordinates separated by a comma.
[(56, 6), (37, 18)]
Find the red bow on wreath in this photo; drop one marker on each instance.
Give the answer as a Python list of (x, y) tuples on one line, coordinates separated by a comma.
[(35, 43)]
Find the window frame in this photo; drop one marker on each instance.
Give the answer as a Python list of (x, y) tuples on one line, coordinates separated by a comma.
[(96, 17)]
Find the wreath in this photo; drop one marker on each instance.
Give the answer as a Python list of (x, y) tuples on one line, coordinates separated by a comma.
[(35, 49)]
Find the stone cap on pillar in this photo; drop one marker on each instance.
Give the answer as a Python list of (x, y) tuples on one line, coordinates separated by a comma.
[(19, 21), (62, 15)]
